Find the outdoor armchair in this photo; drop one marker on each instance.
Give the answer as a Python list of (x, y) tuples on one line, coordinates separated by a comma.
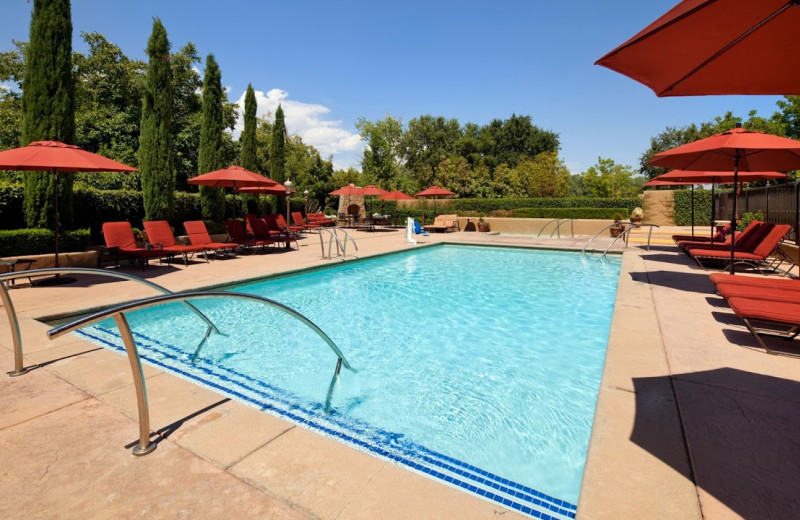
[(120, 242)]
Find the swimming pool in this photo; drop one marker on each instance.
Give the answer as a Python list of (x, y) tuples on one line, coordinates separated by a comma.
[(477, 366)]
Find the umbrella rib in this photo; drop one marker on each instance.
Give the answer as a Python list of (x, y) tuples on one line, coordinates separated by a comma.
[(659, 29), (732, 44)]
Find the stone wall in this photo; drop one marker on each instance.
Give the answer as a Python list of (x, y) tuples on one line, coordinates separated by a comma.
[(658, 206)]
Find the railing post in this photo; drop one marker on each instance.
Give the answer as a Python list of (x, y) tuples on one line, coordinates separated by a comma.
[(145, 446)]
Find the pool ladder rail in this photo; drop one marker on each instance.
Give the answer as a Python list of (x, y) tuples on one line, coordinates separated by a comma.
[(559, 222), (334, 240), (625, 235), (118, 314)]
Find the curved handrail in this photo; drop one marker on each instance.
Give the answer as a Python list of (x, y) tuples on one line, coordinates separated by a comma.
[(19, 369), (583, 251), (145, 446), (194, 295), (346, 237), (330, 242), (547, 224), (623, 235), (564, 221)]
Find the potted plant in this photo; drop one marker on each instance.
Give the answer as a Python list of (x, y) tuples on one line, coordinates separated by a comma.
[(618, 227), (483, 227), (637, 215)]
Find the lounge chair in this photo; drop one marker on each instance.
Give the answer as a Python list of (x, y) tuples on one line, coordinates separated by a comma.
[(198, 236), (757, 257), (261, 231), (719, 236), (121, 242), (758, 281), (743, 239), (160, 237), (781, 318), (281, 223), (319, 218), (238, 234), (298, 220), (444, 223), (755, 292)]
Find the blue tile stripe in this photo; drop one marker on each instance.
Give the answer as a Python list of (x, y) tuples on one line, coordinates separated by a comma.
[(388, 445)]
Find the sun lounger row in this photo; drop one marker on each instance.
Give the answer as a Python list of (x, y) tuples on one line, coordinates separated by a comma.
[(161, 243)]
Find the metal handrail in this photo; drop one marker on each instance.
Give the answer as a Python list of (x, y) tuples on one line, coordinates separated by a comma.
[(623, 235), (19, 369), (145, 446), (339, 246), (346, 237), (547, 224), (564, 221), (583, 251)]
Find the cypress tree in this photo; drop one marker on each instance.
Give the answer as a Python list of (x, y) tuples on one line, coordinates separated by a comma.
[(212, 200), (48, 106), (156, 156), (248, 159), (277, 152)]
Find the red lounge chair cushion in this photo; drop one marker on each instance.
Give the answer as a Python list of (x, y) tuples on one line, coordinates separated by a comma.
[(759, 293), (119, 236), (780, 312), (160, 236), (198, 236), (759, 281)]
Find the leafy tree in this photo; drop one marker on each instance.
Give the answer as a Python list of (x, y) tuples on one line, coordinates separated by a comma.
[(669, 138), (212, 200), (48, 105), (517, 137), (789, 116), (187, 113), (277, 150), (609, 179), (382, 153), (12, 70), (426, 143), (542, 176), (155, 152)]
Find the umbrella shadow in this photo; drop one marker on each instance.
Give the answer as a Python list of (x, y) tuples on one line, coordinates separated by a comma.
[(673, 258), (692, 282), (730, 436)]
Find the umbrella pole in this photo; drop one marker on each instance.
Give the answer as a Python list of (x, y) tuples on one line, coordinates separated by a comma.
[(692, 209), (733, 214), (713, 211), (57, 279)]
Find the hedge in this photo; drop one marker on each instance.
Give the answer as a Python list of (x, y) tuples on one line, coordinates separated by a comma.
[(597, 213), (683, 207), (21, 242), (489, 205)]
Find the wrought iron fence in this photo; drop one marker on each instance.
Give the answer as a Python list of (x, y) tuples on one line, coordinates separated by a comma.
[(779, 204)]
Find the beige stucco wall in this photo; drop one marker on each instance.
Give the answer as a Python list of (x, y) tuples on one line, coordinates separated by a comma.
[(532, 226), (659, 206)]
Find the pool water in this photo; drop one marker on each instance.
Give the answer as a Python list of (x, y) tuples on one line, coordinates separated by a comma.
[(478, 366)]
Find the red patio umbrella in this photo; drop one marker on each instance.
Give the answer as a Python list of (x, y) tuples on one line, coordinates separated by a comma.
[(702, 47), (232, 177), (371, 190), (396, 195), (55, 157), (348, 190), (433, 192), (736, 149)]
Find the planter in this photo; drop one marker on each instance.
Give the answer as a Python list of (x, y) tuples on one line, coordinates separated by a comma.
[(616, 231), (483, 227)]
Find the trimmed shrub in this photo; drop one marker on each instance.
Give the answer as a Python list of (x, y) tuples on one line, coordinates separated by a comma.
[(489, 205), (21, 242), (683, 207), (588, 213)]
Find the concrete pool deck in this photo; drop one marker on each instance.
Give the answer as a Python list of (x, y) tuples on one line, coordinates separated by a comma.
[(693, 420)]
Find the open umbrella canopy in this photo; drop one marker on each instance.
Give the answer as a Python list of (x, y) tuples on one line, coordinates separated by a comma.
[(736, 149), (57, 156), (434, 191), (703, 47), (372, 190), (232, 177), (690, 177), (396, 195), (278, 189)]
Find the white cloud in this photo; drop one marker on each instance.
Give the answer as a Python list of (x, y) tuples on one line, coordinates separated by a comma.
[(308, 121)]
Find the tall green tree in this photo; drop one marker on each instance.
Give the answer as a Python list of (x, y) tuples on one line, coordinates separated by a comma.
[(381, 159), (609, 179), (427, 142), (277, 150), (210, 158), (155, 142), (248, 157), (48, 105)]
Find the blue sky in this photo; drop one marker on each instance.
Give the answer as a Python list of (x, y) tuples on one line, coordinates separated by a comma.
[(331, 62)]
